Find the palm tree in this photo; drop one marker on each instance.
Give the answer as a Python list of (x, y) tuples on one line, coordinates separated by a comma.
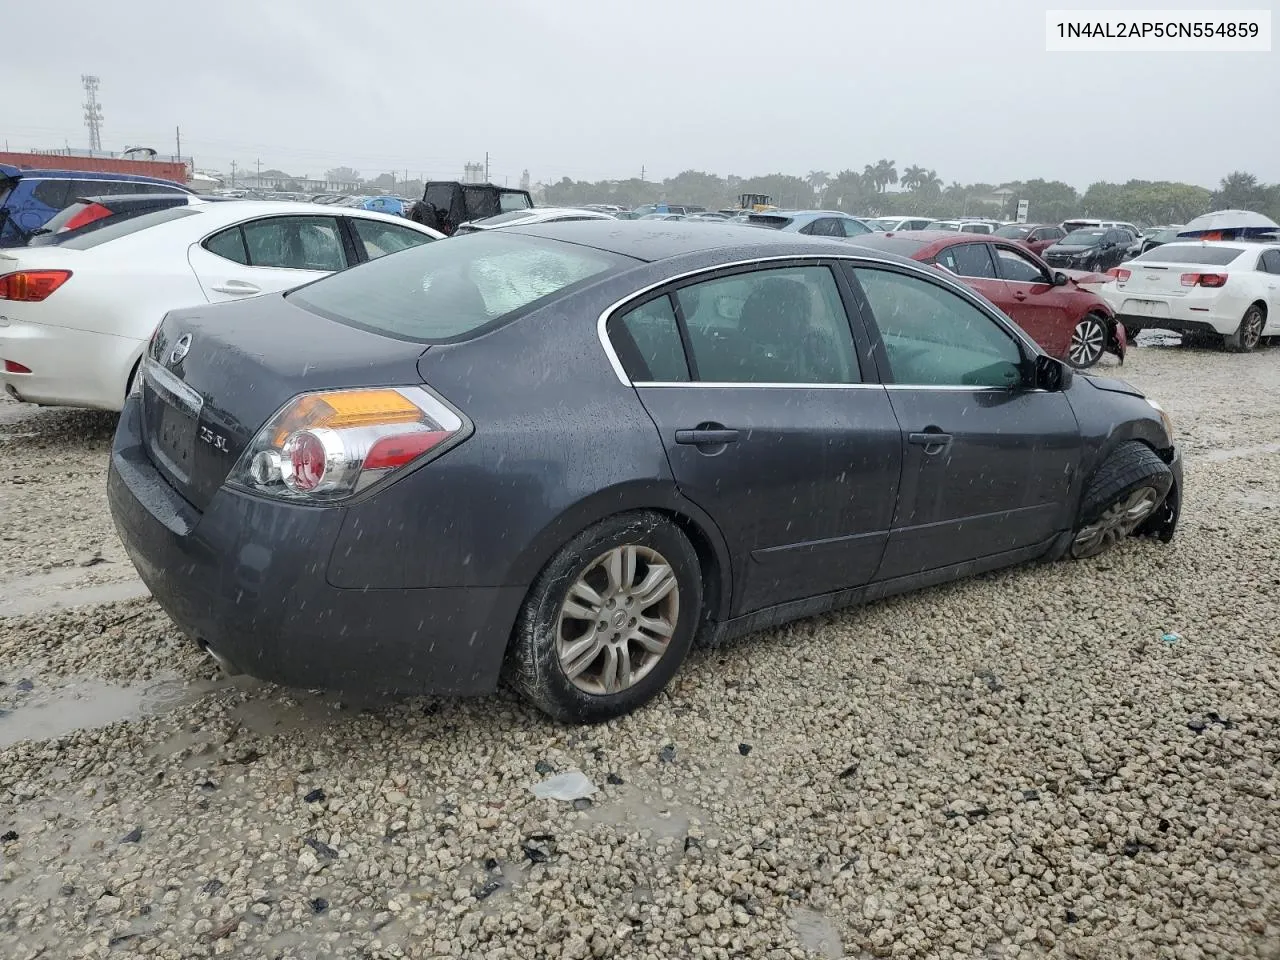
[(928, 183), (818, 179), (886, 173), (912, 176)]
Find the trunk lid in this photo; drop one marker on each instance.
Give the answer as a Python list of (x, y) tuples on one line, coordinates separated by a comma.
[(214, 375), (1161, 273)]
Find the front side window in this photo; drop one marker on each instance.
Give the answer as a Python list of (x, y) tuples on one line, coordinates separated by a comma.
[(968, 260), (381, 238), (295, 243), (769, 326), (1014, 266), (934, 337), (647, 340)]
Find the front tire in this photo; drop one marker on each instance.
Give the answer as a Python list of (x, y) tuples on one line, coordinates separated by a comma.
[(1122, 496), (609, 620), (1249, 334), (1088, 342)]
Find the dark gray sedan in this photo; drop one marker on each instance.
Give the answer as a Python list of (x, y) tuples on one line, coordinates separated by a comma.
[(566, 451)]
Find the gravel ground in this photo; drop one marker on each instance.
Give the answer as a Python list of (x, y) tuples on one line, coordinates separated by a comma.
[(1015, 766)]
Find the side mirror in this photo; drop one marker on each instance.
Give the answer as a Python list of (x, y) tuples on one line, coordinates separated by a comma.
[(1059, 278), (1052, 375)]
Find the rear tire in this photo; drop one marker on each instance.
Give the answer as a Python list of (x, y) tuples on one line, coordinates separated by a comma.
[(1123, 495), (609, 620), (1249, 334)]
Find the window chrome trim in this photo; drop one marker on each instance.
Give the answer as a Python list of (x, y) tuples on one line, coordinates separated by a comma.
[(767, 386), (955, 285)]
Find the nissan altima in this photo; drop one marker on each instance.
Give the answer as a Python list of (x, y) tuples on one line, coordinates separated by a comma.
[(565, 452)]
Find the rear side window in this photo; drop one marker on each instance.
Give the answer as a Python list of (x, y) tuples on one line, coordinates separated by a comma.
[(126, 227), (968, 260), (446, 291), (854, 228), (229, 244), (648, 343), (1191, 253), (295, 243), (769, 326)]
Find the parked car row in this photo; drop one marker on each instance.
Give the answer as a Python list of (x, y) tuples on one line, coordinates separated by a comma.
[(696, 431), (77, 313)]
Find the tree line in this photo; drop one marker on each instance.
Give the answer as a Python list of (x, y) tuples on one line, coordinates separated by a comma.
[(865, 193)]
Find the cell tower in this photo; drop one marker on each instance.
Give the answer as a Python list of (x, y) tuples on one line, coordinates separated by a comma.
[(92, 111)]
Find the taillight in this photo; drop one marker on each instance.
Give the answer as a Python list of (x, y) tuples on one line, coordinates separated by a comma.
[(1204, 279), (327, 446), (92, 212), (13, 366), (1120, 273), (31, 286)]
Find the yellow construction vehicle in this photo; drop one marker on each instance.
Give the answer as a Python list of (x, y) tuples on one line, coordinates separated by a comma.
[(756, 202)]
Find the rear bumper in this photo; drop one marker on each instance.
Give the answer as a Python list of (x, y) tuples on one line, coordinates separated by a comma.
[(1193, 313), (247, 578), (69, 368)]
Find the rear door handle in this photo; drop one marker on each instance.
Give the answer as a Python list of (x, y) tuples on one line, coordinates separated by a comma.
[(238, 288), (933, 441), (706, 436), (1019, 296)]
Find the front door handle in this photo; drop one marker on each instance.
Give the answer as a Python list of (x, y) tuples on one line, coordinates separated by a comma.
[(1019, 296), (706, 436), (934, 441)]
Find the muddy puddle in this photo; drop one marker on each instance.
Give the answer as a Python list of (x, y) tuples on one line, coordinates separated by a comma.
[(817, 933), (44, 713), (67, 587)]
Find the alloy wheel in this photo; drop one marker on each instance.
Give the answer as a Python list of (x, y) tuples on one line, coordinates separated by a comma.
[(617, 620), (1251, 329), (1117, 522), (1088, 341)]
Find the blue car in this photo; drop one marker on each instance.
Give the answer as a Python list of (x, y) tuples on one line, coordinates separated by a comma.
[(30, 198), (392, 205)]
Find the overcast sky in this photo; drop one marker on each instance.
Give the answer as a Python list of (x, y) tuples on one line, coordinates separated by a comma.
[(601, 88)]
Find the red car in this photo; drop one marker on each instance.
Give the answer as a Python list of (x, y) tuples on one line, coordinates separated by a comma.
[(1067, 322), (1036, 237)]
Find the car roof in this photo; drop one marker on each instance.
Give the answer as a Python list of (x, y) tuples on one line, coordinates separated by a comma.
[(41, 173), (654, 240), (928, 242)]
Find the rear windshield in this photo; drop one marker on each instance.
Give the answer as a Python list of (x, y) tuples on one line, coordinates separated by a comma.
[(513, 201), (1089, 237), (445, 291), (1013, 233), (943, 225), (125, 227), (504, 218), (764, 220), (1191, 253)]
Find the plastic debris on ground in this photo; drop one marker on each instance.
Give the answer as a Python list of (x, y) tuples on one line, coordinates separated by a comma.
[(568, 786)]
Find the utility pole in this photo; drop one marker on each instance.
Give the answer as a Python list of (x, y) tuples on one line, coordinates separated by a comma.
[(642, 173), (233, 174), (486, 166), (259, 173), (178, 131)]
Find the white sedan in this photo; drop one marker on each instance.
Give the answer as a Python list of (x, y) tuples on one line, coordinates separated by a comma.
[(1221, 288), (75, 317)]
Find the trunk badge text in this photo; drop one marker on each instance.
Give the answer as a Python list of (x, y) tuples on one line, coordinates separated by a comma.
[(215, 440), (180, 350)]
